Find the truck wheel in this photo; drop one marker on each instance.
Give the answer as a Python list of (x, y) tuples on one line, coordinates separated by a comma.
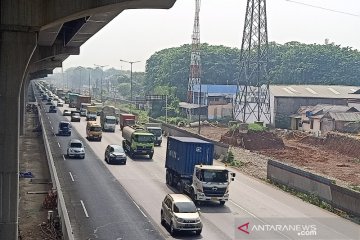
[(222, 203), (151, 155), (171, 181), (167, 178), (198, 232)]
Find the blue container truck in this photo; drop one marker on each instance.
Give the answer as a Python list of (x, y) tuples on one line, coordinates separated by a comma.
[(189, 168)]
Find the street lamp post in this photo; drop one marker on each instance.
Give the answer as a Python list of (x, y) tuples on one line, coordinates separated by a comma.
[(131, 95), (101, 85)]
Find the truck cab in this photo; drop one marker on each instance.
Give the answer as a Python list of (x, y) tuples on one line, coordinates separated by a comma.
[(211, 183)]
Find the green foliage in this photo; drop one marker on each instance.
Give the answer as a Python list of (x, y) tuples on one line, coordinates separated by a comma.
[(171, 67), (289, 63), (256, 127), (230, 160)]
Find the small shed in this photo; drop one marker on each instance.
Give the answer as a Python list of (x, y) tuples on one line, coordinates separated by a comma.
[(335, 121)]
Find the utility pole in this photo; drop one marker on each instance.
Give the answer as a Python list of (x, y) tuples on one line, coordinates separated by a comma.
[(253, 95), (101, 85), (131, 82)]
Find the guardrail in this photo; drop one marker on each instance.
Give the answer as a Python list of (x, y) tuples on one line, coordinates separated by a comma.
[(62, 211)]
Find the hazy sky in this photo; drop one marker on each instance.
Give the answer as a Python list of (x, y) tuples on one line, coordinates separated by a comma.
[(135, 35)]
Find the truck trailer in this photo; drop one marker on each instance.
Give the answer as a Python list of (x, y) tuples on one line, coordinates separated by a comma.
[(126, 119), (189, 168), (138, 142)]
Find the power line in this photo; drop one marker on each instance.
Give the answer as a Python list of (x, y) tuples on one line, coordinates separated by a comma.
[(323, 8)]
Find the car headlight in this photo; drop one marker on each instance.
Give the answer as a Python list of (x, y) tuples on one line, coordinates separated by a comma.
[(179, 219), (71, 150)]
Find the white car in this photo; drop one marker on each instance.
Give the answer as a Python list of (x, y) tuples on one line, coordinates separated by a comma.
[(76, 149), (179, 212)]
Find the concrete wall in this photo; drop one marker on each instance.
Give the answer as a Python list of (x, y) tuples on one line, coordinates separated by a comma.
[(170, 130), (340, 197)]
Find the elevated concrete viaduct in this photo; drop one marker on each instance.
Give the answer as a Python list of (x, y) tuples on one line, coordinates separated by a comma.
[(35, 37)]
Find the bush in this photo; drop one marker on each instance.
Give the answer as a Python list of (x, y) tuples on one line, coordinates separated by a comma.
[(256, 127)]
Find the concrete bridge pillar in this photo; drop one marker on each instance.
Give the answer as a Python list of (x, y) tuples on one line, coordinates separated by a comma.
[(16, 48)]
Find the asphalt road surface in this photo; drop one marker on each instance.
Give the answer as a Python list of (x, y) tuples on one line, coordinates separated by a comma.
[(112, 214)]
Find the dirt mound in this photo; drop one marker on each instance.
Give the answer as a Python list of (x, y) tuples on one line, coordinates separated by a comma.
[(344, 144), (312, 140), (253, 140)]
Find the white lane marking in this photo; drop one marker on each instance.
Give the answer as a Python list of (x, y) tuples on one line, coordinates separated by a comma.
[(139, 209), (48, 117), (86, 213), (72, 178), (59, 145), (52, 128), (50, 122), (253, 215), (64, 158)]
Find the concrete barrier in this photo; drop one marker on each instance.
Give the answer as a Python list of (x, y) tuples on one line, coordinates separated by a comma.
[(171, 130), (62, 210), (345, 199), (304, 181)]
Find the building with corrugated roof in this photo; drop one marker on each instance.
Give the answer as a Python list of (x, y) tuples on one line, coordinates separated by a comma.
[(285, 100)]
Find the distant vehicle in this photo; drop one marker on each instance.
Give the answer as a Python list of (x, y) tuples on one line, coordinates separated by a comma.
[(60, 103), (64, 128), (91, 113), (155, 128), (52, 109), (75, 116), (180, 214), (66, 112), (82, 101), (138, 142), (189, 168), (126, 119), (49, 103), (108, 118), (93, 131), (76, 149), (115, 154)]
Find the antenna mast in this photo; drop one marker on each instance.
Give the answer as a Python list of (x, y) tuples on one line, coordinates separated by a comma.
[(252, 100), (195, 65)]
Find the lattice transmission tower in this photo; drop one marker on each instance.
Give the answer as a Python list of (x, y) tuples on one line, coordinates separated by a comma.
[(252, 100), (195, 63)]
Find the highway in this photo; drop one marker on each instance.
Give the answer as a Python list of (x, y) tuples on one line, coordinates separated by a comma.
[(112, 214)]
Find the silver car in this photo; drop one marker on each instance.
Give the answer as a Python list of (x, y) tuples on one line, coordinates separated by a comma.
[(76, 149), (179, 212)]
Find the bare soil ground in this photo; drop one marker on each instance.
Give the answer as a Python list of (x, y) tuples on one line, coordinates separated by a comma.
[(32, 158), (336, 157)]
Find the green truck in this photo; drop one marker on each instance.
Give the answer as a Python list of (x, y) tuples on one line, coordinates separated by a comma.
[(138, 141)]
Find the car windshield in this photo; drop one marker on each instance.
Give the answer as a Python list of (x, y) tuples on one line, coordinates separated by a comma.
[(214, 175), (76, 145), (156, 132), (118, 149), (144, 138), (184, 207), (95, 129)]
